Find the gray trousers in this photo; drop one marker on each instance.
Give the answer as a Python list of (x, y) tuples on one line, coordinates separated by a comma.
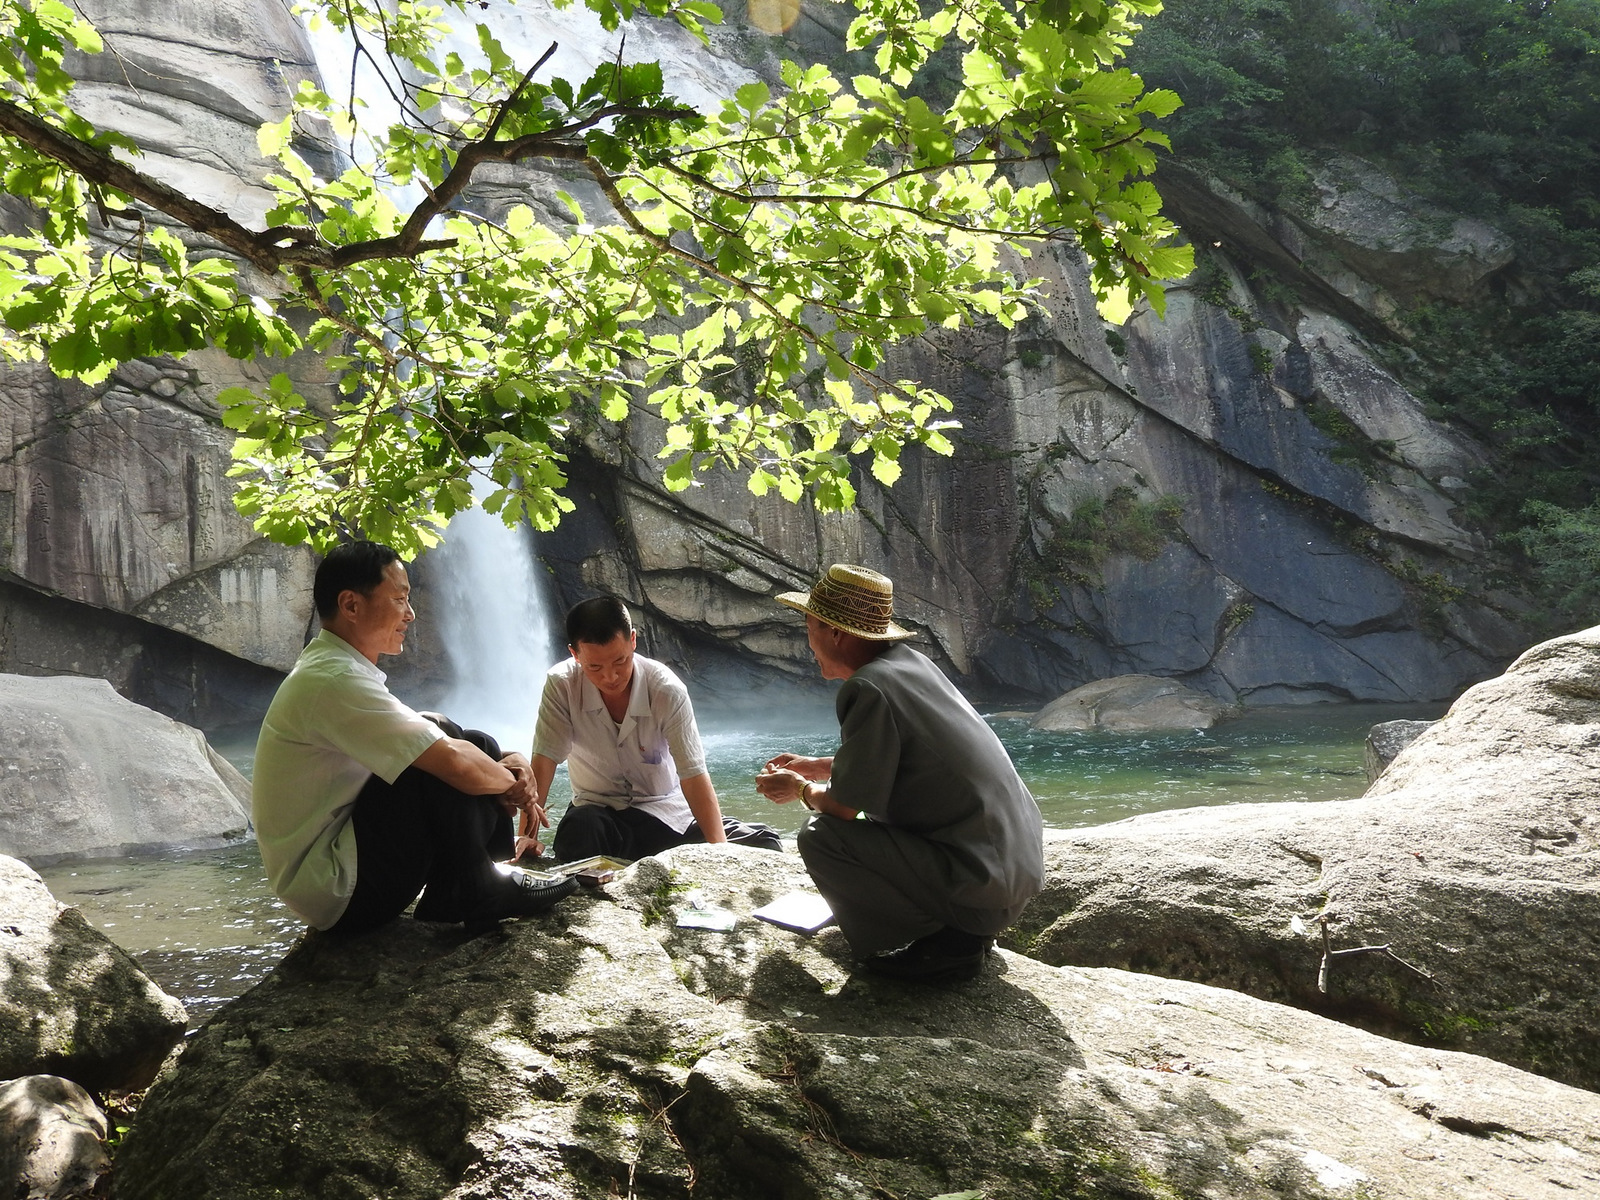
[(889, 887)]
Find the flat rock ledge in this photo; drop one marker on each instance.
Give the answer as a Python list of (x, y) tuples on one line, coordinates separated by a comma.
[(1475, 859), (73, 1003), (600, 1050), (1132, 704)]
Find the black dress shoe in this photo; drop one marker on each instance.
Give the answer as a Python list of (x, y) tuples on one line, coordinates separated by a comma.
[(946, 956), (521, 895)]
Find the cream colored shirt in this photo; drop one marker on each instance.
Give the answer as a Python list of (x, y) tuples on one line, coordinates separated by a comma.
[(632, 763), (332, 726)]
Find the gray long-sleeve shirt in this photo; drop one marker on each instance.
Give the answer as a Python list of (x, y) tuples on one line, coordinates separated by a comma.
[(915, 755)]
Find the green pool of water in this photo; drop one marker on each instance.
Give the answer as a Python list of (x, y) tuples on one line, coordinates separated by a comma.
[(205, 927)]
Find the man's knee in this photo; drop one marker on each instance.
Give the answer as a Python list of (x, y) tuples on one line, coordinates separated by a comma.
[(822, 842), (584, 831)]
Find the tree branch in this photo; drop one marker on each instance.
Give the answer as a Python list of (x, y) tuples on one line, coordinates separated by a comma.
[(99, 167)]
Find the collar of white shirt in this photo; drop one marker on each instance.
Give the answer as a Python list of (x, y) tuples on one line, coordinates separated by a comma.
[(363, 663)]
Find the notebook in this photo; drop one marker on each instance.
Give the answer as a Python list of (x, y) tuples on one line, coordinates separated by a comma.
[(803, 912)]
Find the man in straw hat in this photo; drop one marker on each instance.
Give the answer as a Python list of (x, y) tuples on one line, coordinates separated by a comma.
[(950, 847)]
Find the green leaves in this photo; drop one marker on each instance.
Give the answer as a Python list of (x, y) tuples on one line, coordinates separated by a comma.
[(745, 280)]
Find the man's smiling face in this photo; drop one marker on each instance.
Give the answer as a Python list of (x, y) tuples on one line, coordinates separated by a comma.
[(376, 621)]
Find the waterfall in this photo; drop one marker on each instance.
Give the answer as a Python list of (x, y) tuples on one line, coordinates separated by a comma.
[(495, 626), (491, 613)]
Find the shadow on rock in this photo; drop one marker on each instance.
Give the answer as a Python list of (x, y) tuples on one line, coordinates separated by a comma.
[(603, 1050)]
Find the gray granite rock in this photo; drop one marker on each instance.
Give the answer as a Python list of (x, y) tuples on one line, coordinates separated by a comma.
[(72, 1003), (1132, 704), (116, 496), (1387, 739), (85, 772), (52, 1139), (602, 1050), (1473, 859)]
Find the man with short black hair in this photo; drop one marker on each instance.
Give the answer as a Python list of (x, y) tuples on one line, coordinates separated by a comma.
[(359, 802), (625, 727)]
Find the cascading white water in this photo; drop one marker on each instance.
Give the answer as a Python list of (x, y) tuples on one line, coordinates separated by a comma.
[(495, 626)]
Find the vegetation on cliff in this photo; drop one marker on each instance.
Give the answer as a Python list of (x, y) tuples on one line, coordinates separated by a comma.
[(1490, 109), (801, 230)]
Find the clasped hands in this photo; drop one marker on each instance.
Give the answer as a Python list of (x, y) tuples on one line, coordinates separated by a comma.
[(785, 776)]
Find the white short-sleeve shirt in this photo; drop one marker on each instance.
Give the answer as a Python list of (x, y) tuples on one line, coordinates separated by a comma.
[(332, 726), (633, 763)]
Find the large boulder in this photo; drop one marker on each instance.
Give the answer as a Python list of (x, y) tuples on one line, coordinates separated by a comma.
[(86, 772), (71, 1002), (603, 1050), (1132, 704), (1455, 904)]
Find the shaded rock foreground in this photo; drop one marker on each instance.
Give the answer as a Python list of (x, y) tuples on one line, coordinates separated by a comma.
[(601, 1050), (1475, 857), (72, 1003)]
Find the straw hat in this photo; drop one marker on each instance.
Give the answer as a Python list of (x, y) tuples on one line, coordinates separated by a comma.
[(854, 599)]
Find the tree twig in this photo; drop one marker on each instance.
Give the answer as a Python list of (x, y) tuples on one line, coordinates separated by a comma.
[(1329, 954)]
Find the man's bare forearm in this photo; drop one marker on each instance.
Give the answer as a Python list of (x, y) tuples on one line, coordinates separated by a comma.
[(702, 798), (466, 768)]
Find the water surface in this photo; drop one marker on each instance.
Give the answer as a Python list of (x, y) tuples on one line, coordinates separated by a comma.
[(205, 927)]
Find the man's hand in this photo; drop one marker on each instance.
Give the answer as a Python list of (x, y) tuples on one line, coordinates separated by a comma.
[(817, 770), (522, 792), (522, 799), (781, 784), (535, 818)]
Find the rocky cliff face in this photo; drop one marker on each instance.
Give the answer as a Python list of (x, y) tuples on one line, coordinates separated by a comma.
[(1240, 494), (120, 551), (1243, 495)]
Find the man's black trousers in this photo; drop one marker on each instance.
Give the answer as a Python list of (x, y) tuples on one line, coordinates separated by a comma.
[(420, 833)]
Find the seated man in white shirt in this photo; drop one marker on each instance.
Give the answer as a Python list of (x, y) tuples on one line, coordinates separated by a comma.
[(626, 730), (359, 802)]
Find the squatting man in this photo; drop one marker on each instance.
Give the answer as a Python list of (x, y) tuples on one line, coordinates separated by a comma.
[(923, 839)]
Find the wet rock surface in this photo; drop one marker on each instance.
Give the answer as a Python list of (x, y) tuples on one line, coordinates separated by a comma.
[(71, 1002), (1458, 897), (603, 1050)]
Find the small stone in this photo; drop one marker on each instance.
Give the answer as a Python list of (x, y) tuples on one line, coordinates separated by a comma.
[(52, 1139)]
